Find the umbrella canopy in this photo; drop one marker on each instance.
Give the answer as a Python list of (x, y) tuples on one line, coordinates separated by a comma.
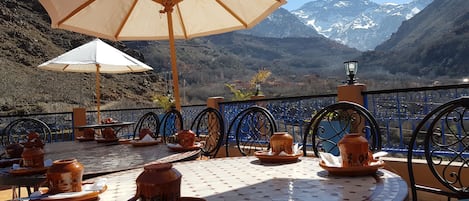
[(95, 57), (158, 19)]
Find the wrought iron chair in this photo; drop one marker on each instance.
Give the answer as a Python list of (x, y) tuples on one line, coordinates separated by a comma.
[(209, 128), (150, 121), (331, 123), (18, 130), (252, 128), (171, 123), (443, 136)]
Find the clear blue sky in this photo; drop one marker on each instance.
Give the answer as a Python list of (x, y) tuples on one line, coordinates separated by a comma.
[(294, 4)]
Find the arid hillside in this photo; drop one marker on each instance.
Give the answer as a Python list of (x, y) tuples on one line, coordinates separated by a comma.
[(27, 40)]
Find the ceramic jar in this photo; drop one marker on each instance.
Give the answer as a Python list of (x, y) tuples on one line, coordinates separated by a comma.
[(108, 133), (158, 181), (35, 139), (354, 150), (14, 150), (88, 133), (186, 138), (65, 176), (143, 132), (32, 156), (281, 141)]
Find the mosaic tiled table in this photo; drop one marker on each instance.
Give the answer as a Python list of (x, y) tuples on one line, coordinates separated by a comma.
[(246, 178)]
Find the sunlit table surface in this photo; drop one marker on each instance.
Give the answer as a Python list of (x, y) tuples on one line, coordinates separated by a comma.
[(245, 178)]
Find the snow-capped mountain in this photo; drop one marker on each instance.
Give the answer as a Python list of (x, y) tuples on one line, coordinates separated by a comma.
[(281, 24), (361, 24)]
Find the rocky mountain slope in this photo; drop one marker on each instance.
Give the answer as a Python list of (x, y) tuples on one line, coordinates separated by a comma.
[(282, 24), (435, 42), (27, 40)]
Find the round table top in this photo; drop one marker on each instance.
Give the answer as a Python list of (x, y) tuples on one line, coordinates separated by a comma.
[(246, 178), (102, 158)]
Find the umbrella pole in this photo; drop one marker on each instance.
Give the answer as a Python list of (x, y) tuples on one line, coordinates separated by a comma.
[(98, 93), (173, 61)]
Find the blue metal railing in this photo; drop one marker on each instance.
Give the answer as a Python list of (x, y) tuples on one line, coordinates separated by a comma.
[(397, 112)]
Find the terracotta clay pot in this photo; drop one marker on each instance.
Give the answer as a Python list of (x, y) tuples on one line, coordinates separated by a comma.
[(65, 176), (145, 131), (158, 181), (281, 141), (35, 139), (186, 138), (108, 133), (14, 150), (88, 133), (32, 156), (354, 150)]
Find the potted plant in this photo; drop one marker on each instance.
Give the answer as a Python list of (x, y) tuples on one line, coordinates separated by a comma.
[(165, 102)]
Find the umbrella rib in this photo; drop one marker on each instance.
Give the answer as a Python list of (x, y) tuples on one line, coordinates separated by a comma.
[(75, 11), (233, 13), (121, 26), (65, 67), (182, 21)]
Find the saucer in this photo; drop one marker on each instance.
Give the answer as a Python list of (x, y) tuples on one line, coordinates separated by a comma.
[(353, 171), (104, 140), (84, 139), (179, 148), (267, 157), (7, 162), (28, 171), (137, 143), (125, 141), (71, 196)]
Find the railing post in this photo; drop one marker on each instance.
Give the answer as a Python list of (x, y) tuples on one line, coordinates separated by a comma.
[(352, 93), (213, 102), (79, 119)]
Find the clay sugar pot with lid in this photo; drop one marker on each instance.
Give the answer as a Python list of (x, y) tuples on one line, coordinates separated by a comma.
[(354, 150), (14, 150), (145, 131), (32, 156), (65, 176), (158, 181), (88, 133), (186, 138), (281, 141), (33, 153), (109, 134)]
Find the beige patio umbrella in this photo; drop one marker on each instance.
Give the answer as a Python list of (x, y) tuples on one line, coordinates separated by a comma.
[(95, 57), (158, 19)]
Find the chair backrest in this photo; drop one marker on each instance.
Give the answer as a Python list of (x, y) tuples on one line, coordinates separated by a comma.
[(172, 123), (330, 124), (18, 130), (443, 135), (209, 128), (151, 121), (252, 128)]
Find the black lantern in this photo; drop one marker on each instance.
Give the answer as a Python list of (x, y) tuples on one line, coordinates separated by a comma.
[(351, 68)]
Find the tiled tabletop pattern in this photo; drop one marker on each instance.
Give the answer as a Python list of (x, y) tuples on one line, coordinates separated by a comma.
[(245, 178)]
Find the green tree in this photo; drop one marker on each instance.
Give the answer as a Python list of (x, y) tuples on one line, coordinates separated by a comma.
[(254, 89)]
